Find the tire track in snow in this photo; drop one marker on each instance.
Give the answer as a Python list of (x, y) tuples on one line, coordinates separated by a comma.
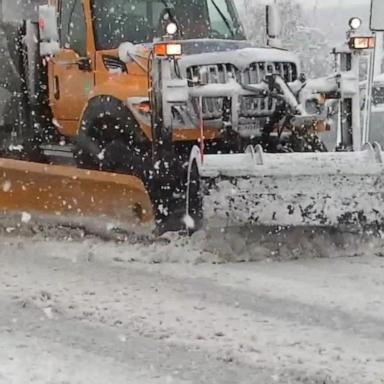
[(231, 334)]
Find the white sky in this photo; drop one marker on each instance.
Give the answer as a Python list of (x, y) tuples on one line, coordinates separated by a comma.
[(311, 3), (320, 3)]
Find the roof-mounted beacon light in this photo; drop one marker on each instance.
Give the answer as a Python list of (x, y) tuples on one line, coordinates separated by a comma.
[(355, 23), (172, 28)]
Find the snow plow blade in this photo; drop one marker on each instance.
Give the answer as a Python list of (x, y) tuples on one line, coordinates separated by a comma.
[(64, 191), (294, 189)]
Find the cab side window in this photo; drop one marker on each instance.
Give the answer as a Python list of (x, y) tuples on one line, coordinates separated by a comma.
[(72, 27)]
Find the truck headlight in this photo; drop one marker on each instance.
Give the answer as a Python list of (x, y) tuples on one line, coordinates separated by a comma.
[(362, 42), (168, 49)]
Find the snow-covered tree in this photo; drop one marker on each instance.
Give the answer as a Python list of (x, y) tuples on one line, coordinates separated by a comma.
[(297, 34), (254, 12)]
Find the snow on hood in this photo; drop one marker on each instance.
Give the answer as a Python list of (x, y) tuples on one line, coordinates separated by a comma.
[(240, 54)]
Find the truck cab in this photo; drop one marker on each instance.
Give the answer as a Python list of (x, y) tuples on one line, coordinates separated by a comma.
[(100, 82), (88, 64)]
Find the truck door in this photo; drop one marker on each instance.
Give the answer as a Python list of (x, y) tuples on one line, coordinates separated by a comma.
[(70, 76)]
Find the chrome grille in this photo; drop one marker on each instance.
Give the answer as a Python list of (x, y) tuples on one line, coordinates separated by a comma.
[(211, 74), (212, 108), (257, 72), (254, 74), (250, 106)]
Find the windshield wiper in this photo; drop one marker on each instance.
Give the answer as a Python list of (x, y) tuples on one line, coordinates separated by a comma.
[(226, 21)]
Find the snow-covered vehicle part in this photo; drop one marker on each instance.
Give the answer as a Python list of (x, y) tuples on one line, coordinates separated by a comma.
[(241, 91), (329, 189), (306, 189), (65, 194)]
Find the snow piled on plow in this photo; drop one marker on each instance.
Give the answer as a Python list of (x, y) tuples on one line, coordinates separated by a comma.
[(257, 243), (211, 245), (296, 189)]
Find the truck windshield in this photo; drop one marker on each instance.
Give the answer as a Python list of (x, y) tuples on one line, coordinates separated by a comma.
[(142, 21)]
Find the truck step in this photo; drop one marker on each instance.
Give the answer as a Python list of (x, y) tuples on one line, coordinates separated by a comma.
[(59, 154)]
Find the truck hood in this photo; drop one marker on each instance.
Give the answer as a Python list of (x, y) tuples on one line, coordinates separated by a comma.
[(239, 53), (202, 52)]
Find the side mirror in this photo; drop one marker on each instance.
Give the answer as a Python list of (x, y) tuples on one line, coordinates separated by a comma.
[(127, 52), (49, 31), (273, 22), (377, 15)]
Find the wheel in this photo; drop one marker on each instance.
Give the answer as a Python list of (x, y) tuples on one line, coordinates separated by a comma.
[(89, 146), (177, 199), (107, 151), (84, 159), (111, 140)]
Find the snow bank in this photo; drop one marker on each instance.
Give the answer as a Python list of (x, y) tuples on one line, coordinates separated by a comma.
[(212, 245)]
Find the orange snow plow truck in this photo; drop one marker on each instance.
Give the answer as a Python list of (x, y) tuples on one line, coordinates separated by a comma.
[(133, 110)]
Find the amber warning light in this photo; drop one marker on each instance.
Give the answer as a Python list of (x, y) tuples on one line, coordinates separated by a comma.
[(168, 49), (362, 42)]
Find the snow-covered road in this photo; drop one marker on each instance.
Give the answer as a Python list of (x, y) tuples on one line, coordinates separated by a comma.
[(84, 313)]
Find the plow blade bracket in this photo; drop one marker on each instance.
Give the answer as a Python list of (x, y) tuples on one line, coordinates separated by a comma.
[(67, 191), (294, 189)]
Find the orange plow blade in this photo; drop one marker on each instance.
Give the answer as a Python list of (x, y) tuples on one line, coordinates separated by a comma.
[(65, 191)]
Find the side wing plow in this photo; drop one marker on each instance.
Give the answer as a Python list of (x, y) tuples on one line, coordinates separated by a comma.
[(62, 191)]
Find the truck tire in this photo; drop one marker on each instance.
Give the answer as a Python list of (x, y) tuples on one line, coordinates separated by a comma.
[(177, 199), (110, 139)]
